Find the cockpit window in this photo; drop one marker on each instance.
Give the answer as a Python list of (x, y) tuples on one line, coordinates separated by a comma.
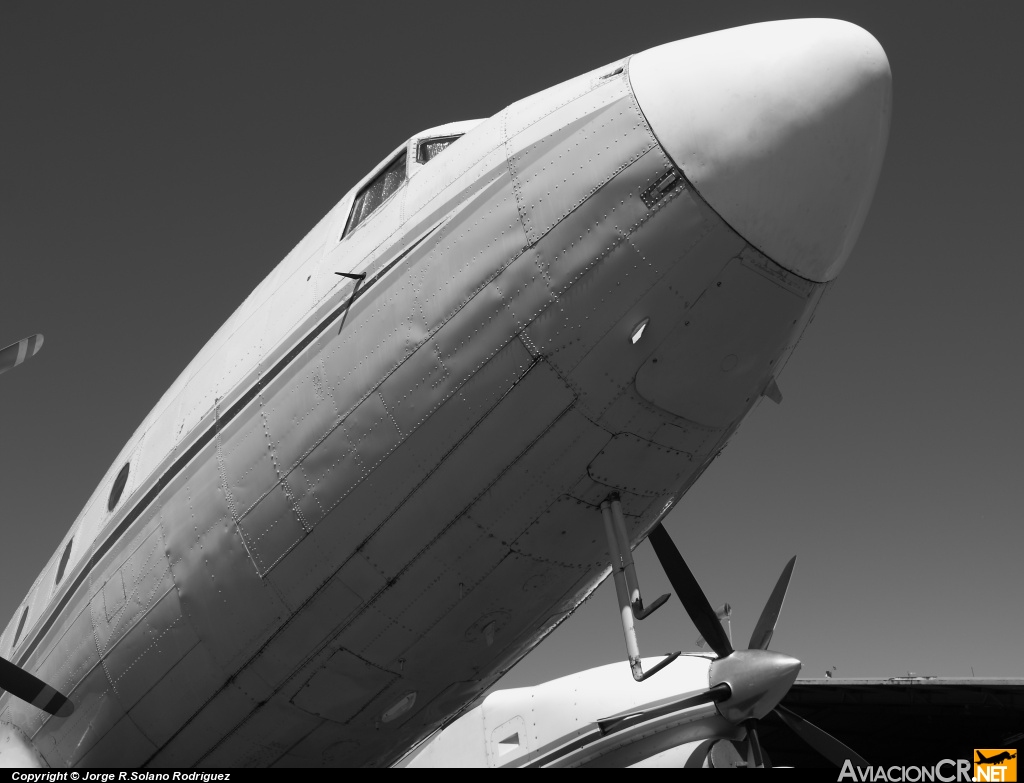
[(377, 192), (429, 149)]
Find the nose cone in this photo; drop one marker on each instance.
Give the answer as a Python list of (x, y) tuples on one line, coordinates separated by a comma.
[(781, 127)]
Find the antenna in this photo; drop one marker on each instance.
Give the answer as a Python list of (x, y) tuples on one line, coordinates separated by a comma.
[(724, 614)]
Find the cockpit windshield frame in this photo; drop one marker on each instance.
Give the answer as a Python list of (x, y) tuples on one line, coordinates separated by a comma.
[(424, 154), (378, 191), (408, 158)]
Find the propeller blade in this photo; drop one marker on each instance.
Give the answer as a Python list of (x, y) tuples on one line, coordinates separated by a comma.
[(819, 739), (16, 353), (20, 683), (612, 723), (689, 592), (756, 757), (765, 628)]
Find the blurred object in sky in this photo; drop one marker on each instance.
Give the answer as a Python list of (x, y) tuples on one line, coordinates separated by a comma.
[(16, 353)]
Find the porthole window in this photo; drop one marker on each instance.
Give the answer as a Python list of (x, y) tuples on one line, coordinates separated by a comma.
[(63, 563), (118, 488), (21, 627)]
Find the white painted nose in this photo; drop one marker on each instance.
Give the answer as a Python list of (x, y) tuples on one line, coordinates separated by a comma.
[(780, 126)]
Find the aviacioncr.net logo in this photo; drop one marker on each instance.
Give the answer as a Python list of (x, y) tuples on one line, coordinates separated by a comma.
[(946, 771), (998, 764)]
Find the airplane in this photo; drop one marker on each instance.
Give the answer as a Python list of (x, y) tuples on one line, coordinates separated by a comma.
[(384, 480), (1004, 756)]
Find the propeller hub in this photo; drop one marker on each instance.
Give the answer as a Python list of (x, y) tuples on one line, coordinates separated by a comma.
[(758, 680)]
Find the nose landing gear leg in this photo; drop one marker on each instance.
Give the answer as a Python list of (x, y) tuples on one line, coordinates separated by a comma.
[(627, 588)]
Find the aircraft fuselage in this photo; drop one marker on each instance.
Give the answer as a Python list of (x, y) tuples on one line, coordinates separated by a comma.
[(366, 499)]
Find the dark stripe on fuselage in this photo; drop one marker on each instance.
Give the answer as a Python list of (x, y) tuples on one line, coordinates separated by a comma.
[(218, 424)]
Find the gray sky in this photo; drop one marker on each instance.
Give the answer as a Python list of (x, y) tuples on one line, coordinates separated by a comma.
[(159, 159)]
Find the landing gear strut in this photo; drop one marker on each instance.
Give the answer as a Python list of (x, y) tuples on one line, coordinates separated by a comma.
[(627, 588)]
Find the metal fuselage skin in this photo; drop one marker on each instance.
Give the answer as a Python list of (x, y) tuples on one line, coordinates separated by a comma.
[(331, 541)]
